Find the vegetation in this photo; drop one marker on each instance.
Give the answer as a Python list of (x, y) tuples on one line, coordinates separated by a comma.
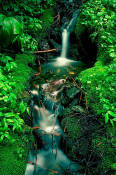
[(98, 18), (19, 24), (23, 25), (19, 27), (99, 81)]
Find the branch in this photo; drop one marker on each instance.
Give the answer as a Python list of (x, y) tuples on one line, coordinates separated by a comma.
[(42, 51)]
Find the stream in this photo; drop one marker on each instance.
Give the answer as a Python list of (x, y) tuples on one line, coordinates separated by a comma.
[(48, 158)]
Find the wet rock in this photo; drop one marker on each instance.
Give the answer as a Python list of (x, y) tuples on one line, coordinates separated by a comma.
[(71, 93)]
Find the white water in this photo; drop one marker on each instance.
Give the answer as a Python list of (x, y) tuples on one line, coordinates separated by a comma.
[(63, 60), (65, 43)]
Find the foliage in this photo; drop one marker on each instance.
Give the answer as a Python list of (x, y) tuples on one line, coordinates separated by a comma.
[(19, 26), (99, 81), (27, 17), (100, 20), (12, 84), (9, 29), (25, 42)]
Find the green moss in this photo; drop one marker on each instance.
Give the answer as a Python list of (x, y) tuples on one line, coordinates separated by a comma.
[(10, 162), (72, 132)]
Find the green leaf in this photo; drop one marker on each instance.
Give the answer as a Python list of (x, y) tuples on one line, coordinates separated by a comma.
[(28, 111), (9, 114), (10, 120), (22, 107), (38, 25), (113, 166), (1, 114), (111, 121), (14, 127), (112, 114), (31, 26), (106, 118)]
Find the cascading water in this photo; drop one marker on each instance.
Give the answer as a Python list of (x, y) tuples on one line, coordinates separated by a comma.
[(65, 43), (63, 60), (49, 159)]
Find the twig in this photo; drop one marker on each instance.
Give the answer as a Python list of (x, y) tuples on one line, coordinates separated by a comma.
[(82, 91)]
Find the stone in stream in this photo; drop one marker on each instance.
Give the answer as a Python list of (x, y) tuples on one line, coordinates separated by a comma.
[(53, 89)]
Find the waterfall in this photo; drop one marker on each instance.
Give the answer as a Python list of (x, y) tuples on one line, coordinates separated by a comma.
[(62, 60), (65, 43)]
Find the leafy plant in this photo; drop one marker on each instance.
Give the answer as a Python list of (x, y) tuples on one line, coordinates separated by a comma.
[(19, 26), (11, 106), (9, 29)]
